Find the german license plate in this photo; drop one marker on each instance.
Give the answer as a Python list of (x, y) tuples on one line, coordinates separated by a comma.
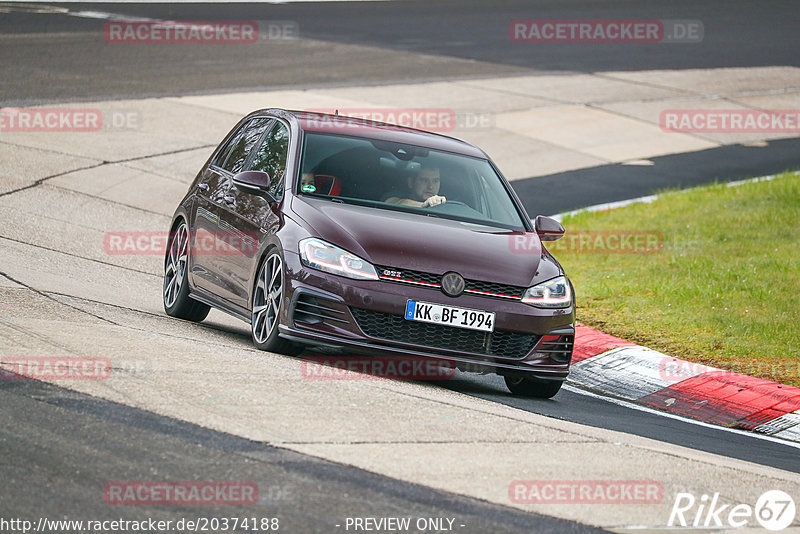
[(427, 312)]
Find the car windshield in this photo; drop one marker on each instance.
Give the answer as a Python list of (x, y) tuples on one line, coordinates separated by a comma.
[(389, 175)]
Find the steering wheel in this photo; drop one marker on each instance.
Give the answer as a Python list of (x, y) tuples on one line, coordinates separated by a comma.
[(448, 203)]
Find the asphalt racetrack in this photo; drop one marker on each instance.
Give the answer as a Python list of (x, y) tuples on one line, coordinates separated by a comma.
[(198, 402)]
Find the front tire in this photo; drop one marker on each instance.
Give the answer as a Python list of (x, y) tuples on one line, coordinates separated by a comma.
[(266, 309), (531, 387), (177, 301)]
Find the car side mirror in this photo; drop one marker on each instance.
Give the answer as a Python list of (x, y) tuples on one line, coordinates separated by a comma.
[(548, 228), (256, 182)]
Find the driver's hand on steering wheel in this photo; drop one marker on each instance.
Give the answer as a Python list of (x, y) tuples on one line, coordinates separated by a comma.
[(434, 200)]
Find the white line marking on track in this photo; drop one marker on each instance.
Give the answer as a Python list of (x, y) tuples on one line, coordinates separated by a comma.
[(108, 16), (650, 198), (635, 406), (179, 1)]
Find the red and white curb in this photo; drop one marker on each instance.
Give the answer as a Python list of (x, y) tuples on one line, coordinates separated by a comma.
[(622, 369), (625, 370)]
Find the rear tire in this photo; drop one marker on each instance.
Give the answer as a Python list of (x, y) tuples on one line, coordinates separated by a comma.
[(266, 309), (532, 387), (177, 302)]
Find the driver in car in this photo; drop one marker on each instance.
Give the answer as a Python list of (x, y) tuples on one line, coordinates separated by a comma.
[(423, 190)]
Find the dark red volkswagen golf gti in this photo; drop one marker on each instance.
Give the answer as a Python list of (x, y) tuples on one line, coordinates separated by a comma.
[(324, 230)]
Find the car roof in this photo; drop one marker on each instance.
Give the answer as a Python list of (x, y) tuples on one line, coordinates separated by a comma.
[(310, 121)]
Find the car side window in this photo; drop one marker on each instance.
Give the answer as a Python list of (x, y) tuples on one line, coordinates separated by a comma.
[(272, 155), (222, 155), (234, 156)]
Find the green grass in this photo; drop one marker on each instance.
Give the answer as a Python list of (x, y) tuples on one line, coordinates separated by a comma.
[(725, 288)]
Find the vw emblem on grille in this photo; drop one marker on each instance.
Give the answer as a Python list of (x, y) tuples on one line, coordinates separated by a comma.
[(452, 284)]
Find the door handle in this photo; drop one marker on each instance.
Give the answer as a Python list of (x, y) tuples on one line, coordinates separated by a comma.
[(230, 199), (203, 186)]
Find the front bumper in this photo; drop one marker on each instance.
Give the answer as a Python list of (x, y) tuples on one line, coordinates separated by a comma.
[(368, 317)]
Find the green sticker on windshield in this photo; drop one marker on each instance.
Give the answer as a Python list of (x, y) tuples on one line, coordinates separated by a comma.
[(308, 188)]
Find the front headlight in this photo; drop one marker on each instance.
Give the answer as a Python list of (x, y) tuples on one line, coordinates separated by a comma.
[(554, 293), (320, 255)]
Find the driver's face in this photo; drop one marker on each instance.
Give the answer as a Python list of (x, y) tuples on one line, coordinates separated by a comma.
[(306, 179), (425, 184)]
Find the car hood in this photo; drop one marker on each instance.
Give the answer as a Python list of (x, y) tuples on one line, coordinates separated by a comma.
[(402, 240)]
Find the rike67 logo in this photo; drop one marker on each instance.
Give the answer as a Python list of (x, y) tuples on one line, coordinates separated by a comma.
[(774, 510)]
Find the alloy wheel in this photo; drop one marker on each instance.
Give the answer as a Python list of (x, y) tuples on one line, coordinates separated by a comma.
[(175, 265), (267, 298)]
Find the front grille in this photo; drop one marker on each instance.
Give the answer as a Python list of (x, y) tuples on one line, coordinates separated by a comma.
[(415, 276), (409, 276), (557, 347), (396, 328), (311, 309), (492, 287)]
